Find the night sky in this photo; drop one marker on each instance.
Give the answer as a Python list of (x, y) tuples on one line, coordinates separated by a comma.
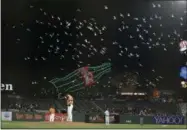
[(43, 39)]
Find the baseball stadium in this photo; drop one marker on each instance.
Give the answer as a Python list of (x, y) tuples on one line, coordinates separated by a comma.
[(87, 64)]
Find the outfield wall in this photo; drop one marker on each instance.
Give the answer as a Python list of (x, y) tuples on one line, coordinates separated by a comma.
[(94, 118)]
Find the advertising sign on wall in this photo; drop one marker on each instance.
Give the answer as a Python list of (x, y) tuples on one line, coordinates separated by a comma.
[(6, 116), (169, 119), (97, 118), (26, 116), (129, 119)]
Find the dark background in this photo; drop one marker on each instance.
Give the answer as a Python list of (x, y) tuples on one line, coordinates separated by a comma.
[(18, 43)]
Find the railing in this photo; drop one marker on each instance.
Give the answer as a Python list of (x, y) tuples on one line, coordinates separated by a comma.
[(59, 105), (97, 106)]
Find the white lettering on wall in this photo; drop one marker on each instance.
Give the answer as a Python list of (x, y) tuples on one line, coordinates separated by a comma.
[(6, 87)]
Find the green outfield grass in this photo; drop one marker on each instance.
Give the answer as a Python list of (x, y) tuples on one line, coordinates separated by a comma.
[(19, 124)]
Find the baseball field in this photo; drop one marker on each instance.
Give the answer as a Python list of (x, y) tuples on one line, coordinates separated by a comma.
[(66, 125)]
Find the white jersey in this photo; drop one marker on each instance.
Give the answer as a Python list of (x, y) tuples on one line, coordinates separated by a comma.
[(107, 117), (107, 113)]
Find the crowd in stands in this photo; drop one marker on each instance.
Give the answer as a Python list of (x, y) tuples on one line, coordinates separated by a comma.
[(98, 105)]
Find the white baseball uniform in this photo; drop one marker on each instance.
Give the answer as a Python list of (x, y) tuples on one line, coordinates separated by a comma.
[(107, 117), (69, 108)]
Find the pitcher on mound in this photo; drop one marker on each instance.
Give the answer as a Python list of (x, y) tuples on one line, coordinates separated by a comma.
[(69, 101)]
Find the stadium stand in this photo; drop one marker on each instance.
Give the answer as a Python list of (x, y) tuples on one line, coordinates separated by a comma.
[(115, 106)]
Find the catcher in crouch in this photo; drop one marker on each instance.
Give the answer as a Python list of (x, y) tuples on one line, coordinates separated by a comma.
[(69, 101)]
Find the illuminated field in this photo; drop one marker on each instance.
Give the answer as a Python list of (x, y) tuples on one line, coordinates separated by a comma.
[(19, 124)]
